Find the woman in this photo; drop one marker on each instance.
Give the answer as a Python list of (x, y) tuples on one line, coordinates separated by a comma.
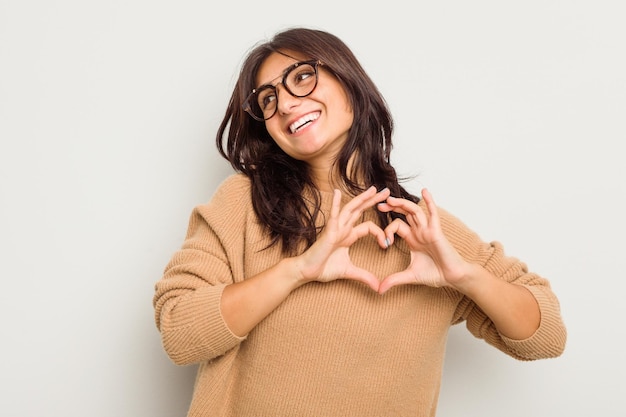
[(313, 283)]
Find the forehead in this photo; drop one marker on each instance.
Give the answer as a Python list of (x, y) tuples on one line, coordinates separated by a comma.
[(274, 66)]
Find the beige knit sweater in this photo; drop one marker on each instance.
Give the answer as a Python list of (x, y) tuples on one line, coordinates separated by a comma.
[(334, 349)]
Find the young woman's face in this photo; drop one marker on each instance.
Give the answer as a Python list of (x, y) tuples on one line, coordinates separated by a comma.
[(312, 128)]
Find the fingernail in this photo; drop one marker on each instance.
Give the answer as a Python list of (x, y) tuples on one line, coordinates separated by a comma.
[(387, 242)]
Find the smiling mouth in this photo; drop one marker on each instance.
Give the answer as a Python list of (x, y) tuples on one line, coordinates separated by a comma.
[(304, 121)]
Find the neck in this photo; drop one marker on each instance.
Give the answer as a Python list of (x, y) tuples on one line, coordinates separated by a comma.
[(323, 179), (327, 178)]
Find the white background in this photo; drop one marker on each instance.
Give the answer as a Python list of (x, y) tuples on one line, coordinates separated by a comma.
[(512, 114)]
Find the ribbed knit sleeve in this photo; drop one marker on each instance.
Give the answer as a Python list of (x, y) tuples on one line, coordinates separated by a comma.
[(187, 297), (549, 339)]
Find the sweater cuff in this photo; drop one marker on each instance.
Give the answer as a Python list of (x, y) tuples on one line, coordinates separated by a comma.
[(197, 331), (549, 339)]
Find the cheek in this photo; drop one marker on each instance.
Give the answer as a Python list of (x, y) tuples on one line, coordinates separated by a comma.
[(346, 115), (350, 115), (343, 108)]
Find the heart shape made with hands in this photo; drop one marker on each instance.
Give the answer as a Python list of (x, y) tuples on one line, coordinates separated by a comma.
[(434, 261)]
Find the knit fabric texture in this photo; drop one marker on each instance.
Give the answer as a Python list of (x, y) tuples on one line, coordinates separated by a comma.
[(330, 349)]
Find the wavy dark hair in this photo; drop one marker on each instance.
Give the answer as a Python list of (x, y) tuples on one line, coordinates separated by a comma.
[(284, 196)]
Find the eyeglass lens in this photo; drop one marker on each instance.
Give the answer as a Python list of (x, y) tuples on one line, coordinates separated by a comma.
[(300, 81)]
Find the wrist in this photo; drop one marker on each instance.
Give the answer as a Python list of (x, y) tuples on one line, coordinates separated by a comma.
[(293, 272), (469, 282)]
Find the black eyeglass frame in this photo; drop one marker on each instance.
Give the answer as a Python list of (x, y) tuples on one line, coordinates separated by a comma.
[(247, 107)]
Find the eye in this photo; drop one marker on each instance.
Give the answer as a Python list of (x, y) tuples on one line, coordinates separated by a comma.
[(266, 97), (302, 75)]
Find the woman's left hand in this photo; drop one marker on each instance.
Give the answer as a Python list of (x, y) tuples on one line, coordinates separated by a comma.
[(434, 261)]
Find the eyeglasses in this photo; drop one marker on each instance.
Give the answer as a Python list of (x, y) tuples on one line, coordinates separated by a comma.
[(300, 79)]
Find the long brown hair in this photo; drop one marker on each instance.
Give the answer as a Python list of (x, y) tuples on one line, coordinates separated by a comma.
[(284, 196)]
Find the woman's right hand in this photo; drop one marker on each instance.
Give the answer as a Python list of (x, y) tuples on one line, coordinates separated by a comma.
[(245, 303), (328, 258)]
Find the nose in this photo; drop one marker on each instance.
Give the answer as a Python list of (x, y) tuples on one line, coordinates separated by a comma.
[(285, 101)]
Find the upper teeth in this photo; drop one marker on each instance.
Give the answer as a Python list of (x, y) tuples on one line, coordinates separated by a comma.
[(302, 121)]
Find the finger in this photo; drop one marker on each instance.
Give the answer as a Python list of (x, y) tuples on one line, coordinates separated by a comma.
[(428, 197), (374, 199), (364, 276), (381, 195), (400, 228), (399, 278), (431, 206), (351, 210), (414, 213), (385, 208), (369, 228), (359, 199), (354, 209)]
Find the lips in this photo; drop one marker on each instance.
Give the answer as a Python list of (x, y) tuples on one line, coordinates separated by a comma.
[(303, 121)]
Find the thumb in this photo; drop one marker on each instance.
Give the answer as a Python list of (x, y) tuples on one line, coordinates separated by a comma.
[(364, 276), (398, 278)]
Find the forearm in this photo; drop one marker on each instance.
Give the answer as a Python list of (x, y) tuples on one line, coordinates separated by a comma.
[(512, 308), (245, 304)]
